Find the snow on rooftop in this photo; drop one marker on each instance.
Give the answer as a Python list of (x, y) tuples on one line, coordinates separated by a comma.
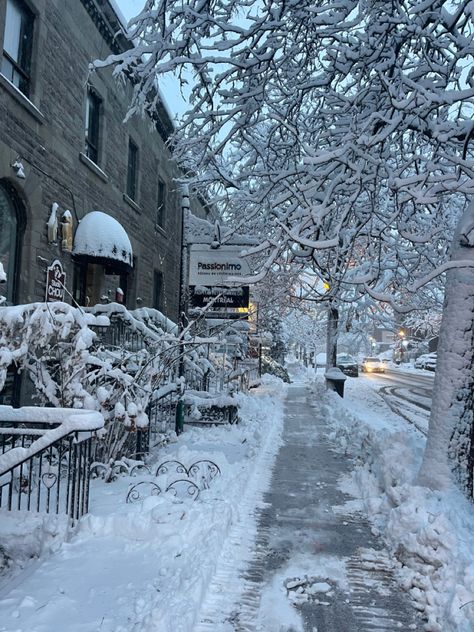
[(100, 235)]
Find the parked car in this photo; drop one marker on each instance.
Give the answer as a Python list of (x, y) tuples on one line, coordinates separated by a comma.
[(347, 364), (372, 365), (427, 361)]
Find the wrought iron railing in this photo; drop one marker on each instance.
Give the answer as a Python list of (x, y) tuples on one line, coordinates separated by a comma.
[(45, 456), (119, 334)]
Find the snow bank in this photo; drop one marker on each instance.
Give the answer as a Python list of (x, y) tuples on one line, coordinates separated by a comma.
[(429, 533), (148, 566), (26, 535)]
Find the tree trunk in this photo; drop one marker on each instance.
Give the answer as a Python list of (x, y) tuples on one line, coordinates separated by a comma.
[(331, 340), (449, 447)]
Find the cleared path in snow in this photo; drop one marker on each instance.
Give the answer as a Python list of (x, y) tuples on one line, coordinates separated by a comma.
[(316, 567)]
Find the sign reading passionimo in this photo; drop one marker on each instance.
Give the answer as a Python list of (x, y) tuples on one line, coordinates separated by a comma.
[(210, 267), (225, 267)]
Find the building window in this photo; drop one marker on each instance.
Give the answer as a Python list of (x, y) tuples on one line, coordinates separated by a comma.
[(158, 290), (17, 45), (93, 105), (10, 241), (161, 204), (132, 170)]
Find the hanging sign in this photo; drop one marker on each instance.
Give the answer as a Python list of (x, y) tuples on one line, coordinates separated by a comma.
[(201, 296), (55, 282), (214, 266)]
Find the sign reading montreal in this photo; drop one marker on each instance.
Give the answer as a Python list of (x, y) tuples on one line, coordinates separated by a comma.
[(210, 271)]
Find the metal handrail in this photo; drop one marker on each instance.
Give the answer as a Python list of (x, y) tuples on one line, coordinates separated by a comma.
[(45, 462)]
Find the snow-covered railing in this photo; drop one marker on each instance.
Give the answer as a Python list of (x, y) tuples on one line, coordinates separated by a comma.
[(246, 372), (45, 458), (131, 330), (130, 365)]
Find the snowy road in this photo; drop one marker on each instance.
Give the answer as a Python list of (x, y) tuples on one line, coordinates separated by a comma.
[(408, 393)]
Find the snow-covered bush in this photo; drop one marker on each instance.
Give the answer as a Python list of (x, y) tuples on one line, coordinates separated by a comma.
[(104, 358), (269, 365)]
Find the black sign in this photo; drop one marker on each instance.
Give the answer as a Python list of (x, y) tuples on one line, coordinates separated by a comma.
[(221, 297), (55, 282)]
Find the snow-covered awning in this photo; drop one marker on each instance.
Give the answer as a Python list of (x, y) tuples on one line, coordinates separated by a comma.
[(102, 238)]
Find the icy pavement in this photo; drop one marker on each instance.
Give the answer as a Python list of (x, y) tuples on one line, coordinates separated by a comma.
[(280, 542), (317, 565)]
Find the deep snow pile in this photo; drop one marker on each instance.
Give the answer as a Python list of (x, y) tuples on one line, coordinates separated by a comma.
[(147, 566), (429, 533)]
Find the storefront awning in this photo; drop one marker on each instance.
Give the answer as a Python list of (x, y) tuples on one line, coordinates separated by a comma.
[(101, 238)]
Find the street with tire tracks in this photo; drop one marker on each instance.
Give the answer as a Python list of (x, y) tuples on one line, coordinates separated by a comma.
[(408, 393)]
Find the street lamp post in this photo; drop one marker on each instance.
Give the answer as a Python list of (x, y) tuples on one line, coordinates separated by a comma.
[(403, 344)]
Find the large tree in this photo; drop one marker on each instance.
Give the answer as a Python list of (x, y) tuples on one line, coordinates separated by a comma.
[(341, 131)]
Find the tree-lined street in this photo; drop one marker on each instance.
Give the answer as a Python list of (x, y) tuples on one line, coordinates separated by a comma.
[(215, 318)]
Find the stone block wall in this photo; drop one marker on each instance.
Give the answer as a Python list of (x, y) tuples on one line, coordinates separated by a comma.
[(46, 132)]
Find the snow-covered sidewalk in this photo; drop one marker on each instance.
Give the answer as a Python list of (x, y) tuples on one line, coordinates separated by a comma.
[(145, 566), (317, 564), (428, 533), (160, 565)]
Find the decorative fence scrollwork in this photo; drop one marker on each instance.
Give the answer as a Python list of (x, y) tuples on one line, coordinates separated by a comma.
[(204, 471), (199, 475), (142, 490), (184, 488), (167, 467)]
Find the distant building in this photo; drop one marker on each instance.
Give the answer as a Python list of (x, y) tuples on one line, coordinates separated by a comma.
[(78, 185), (384, 339)]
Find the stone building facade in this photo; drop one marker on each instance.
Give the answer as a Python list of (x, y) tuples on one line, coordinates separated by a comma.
[(65, 152)]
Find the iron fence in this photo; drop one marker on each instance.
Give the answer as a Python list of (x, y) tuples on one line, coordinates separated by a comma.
[(45, 466), (119, 335)]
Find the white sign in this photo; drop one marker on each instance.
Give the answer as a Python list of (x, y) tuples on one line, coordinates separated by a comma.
[(214, 266)]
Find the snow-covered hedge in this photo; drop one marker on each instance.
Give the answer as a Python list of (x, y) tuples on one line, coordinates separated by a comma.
[(66, 353)]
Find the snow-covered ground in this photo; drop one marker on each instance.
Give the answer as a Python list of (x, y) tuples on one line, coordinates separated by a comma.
[(155, 565), (429, 533), (145, 566)]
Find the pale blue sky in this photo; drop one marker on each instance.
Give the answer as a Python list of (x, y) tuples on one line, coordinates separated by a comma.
[(130, 8)]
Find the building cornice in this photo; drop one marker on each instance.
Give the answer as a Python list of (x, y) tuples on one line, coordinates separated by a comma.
[(108, 24)]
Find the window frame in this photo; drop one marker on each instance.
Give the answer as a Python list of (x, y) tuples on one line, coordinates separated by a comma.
[(23, 66), (17, 212), (92, 145), (158, 297), (160, 219), (133, 166)]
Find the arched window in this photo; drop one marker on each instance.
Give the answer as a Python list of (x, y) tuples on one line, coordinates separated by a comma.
[(9, 240)]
